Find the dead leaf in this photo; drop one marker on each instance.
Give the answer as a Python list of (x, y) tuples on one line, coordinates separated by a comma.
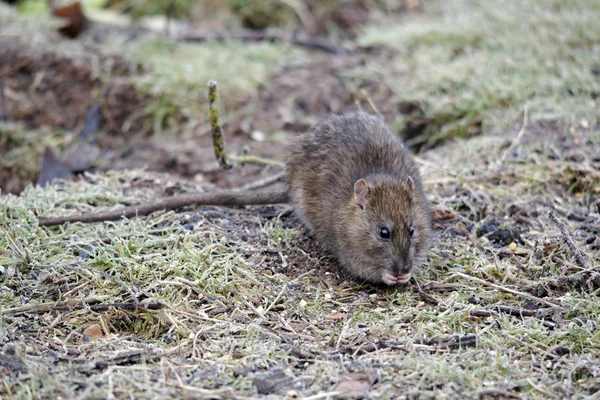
[(92, 333), (76, 19), (81, 157), (354, 385), (336, 316), (442, 215), (52, 168), (91, 123)]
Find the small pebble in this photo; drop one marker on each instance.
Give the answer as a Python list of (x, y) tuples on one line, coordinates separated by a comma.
[(561, 351), (590, 240)]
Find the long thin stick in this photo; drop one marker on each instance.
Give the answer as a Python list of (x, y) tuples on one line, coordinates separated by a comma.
[(264, 182), (371, 103), (45, 307), (316, 43), (223, 198), (215, 126), (507, 290)]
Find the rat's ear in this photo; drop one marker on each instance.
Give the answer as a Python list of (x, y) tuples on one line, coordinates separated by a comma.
[(362, 192), (410, 184)]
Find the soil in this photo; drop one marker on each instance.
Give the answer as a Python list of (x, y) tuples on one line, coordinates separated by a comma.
[(66, 88)]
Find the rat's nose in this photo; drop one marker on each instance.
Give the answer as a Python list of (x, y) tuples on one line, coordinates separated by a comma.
[(402, 268)]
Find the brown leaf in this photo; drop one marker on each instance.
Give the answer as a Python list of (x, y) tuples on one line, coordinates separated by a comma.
[(336, 316), (92, 333), (76, 20), (354, 385), (442, 215), (52, 168), (81, 156)]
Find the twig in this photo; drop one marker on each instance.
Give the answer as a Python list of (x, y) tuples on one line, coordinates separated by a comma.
[(507, 290), (315, 43), (215, 126), (580, 257), (451, 342), (515, 312), (127, 306), (264, 182), (373, 106), (248, 159), (223, 198), (515, 142), (45, 307)]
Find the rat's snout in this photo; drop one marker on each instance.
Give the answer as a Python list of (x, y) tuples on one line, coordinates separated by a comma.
[(390, 278), (402, 267)]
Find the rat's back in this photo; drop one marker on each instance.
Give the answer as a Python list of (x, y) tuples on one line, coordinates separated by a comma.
[(323, 166)]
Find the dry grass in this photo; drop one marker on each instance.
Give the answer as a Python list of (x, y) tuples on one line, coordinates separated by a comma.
[(244, 292), (466, 62), (220, 302)]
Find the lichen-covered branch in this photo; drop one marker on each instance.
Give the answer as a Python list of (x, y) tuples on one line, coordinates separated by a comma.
[(215, 126)]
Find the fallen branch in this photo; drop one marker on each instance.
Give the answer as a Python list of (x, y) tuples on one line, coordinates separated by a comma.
[(580, 257), (315, 43), (45, 307), (223, 198), (515, 312), (80, 305), (507, 290), (451, 342), (127, 306)]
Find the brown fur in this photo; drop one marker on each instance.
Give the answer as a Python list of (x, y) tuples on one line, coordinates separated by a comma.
[(322, 169)]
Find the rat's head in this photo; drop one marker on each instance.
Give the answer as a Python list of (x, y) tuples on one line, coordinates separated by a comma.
[(389, 230)]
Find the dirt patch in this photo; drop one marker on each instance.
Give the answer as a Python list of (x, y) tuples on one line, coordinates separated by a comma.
[(43, 88)]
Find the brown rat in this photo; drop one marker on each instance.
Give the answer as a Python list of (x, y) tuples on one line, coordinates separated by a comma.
[(353, 184), (359, 191)]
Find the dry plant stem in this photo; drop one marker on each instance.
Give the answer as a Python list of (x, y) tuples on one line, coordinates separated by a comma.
[(248, 159), (269, 180), (507, 290), (371, 103), (45, 307), (515, 142), (315, 43), (224, 198), (580, 257), (215, 126)]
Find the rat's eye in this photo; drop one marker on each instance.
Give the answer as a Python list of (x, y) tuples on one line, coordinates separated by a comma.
[(411, 230), (385, 233)]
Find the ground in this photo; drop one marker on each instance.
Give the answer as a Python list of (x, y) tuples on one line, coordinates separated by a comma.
[(240, 302)]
